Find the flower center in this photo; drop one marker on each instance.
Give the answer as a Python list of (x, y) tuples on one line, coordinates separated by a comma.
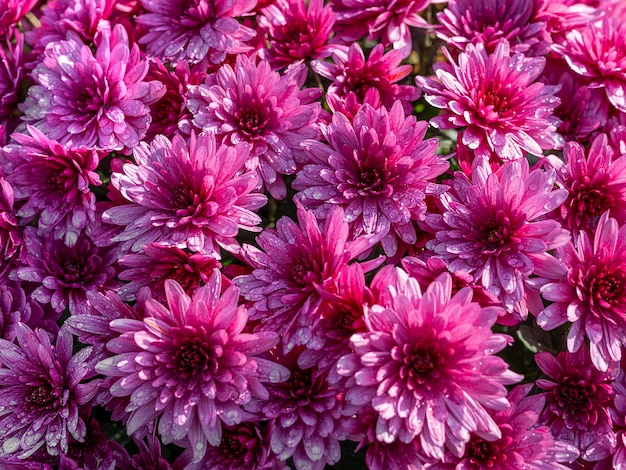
[(254, 119), (193, 356), (589, 201), (421, 363), (608, 290), (42, 395), (481, 452), (73, 269)]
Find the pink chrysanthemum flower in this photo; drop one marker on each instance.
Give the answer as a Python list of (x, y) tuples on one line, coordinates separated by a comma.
[(84, 17), (251, 103), (195, 29), (93, 100), (12, 11), (297, 31), (561, 16), (378, 168), (64, 275), (11, 77), (380, 20), (189, 365), (307, 417), (155, 263), (493, 226), (583, 108), (426, 365), (245, 446), (341, 315), (53, 183), (591, 296), (490, 21), (295, 264), (617, 411), (372, 80), (186, 195), (44, 392), (170, 115), (595, 181), (598, 51), (523, 444), (496, 99), (577, 400)]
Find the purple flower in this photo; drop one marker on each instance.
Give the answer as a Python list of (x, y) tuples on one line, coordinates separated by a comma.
[(11, 77), (11, 12), (195, 29), (591, 295), (64, 275), (523, 444), (297, 31), (496, 100), (577, 400), (84, 17), (251, 103), (426, 366), (16, 308), (378, 168), (306, 415), (380, 19), (366, 81), (245, 446), (296, 263), (597, 51), (53, 182), (43, 393), (493, 226), (155, 263), (100, 100), (595, 181), (490, 21), (186, 195), (189, 365)]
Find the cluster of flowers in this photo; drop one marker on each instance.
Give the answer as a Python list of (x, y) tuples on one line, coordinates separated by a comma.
[(438, 275)]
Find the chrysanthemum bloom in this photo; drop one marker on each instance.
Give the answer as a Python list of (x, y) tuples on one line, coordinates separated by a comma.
[(251, 103), (94, 100), (11, 76), (12, 11), (561, 16), (493, 226), (10, 235), (307, 417), (16, 308), (583, 109), (189, 366), (52, 181), (577, 400), (155, 263), (43, 392), (341, 315), (426, 365), (170, 115), (380, 20), (491, 21), (496, 99), (595, 181), (186, 195), (598, 51), (195, 29), (394, 455), (617, 411), (295, 264), (591, 296), (245, 446), (370, 80), (378, 168), (523, 444), (296, 31), (84, 17), (64, 275)]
